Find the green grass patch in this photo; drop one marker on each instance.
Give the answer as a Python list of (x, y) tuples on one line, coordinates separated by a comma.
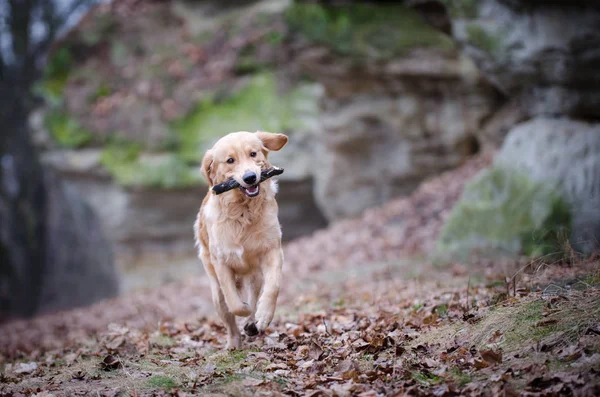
[(523, 327), (66, 131), (161, 382), (426, 378), (460, 377), (374, 31), (442, 310), (228, 360), (281, 381)]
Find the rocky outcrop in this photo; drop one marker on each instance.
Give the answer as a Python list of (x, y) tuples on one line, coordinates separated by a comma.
[(544, 53), (502, 212), (389, 125), (562, 155), (542, 192), (544, 57)]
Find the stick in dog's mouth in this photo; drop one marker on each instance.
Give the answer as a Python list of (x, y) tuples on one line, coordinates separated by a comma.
[(251, 191)]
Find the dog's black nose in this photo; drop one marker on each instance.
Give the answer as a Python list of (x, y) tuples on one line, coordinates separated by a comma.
[(249, 177)]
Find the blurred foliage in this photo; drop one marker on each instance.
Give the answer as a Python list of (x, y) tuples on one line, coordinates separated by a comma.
[(381, 31), (504, 212), (66, 131), (257, 106), (103, 90), (118, 54), (125, 162), (103, 27), (483, 40), (462, 8), (56, 76)]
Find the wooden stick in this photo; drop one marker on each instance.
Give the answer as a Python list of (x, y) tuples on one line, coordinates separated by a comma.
[(232, 183)]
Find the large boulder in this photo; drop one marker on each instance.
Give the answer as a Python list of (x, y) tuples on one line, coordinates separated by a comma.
[(503, 212), (542, 191), (545, 53), (562, 154), (388, 125)]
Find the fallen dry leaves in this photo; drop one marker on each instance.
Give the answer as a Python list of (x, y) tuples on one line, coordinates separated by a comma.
[(341, 330)]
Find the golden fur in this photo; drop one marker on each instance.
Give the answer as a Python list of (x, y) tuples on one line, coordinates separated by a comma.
[(239, 237)]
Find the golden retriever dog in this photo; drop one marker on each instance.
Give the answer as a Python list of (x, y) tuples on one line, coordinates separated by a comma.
[(238, 235)]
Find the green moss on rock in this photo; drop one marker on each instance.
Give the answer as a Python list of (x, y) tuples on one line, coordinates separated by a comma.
[(258, 106), (375, 31), (483, 40), (467, 9), (503, 212), (129, 167)]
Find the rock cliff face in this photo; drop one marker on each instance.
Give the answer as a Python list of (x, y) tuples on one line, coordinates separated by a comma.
[(375, 97), (389, 125), (543, 53), (389, 101), (562, 155), (544, 56)]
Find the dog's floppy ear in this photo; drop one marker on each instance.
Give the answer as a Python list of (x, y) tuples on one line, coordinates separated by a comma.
[(272, 141), (207, 162)]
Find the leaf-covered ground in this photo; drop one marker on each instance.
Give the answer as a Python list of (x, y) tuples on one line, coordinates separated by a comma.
[(355, 317), (402, 328)]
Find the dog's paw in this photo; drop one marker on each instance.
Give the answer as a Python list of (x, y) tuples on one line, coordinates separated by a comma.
[(262, 322), (234, 342), (250, 329), (241, 311)]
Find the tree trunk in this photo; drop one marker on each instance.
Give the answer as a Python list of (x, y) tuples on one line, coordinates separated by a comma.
[(22, 211)]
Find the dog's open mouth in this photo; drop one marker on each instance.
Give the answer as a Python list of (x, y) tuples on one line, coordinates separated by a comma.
[(251, 191)]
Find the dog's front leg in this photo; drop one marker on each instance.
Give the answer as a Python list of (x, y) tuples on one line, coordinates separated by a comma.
[(233, 333), (272, 264), (230, 292), (252, 285)]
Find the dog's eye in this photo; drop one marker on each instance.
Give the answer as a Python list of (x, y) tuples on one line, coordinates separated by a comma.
[(252, 154), (230, 160)]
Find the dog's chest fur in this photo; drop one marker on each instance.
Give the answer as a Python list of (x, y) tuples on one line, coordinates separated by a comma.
[(239, 233)]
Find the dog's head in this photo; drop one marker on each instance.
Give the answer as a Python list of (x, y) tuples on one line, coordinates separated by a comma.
[(242, 156)]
